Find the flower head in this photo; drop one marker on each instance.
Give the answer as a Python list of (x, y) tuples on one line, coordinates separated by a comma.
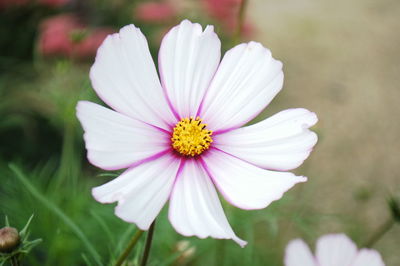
[(181, 138), (332, 250)]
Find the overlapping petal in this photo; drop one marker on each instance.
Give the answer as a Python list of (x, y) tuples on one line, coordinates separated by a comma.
[(247, 79), (116, 141), (298, 254), (333, 250), (141, 191), (195, 209), (188, 60), (124, 77), (245, 185), (368, 257), (281, 142)]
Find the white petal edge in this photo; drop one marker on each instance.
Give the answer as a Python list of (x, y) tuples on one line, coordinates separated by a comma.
[(334, 250), (141, 191), (188, 59), (125, 78), (368, 257), (244, 185), (247, 79), (281, 142), (115, 141), (298, 253), (195, 209)]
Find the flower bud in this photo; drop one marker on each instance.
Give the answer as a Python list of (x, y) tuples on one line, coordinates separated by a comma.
[(9, 239)]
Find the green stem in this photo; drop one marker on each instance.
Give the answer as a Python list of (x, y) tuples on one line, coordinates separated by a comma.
[(240, 20), (380, 232), (129, 248), (147, 248), (14, 261)]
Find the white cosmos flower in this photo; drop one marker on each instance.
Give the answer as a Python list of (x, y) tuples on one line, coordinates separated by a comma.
[(332, 250), (181, 138)]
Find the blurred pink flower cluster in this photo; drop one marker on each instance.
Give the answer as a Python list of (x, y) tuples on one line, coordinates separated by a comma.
[(65, 35), (13, 3), (155, 12), (226, 13)]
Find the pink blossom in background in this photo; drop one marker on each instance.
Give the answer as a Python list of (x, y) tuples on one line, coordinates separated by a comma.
[(53, 3), (64, 35), (88, 46), (222, 9), (154, 12), (226, 13), (331, 250), (182, 136), (12, 3), (55, 35)]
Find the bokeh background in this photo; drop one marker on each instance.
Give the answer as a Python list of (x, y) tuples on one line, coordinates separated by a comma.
[(341, 60)]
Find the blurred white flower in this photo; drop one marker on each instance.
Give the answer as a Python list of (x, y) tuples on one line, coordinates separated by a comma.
[(332, 250), (181, 138)]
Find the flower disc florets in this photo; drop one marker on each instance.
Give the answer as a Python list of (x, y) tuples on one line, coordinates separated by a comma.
[(190, 137)]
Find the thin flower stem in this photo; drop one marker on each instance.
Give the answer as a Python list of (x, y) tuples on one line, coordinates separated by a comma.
[(380, 232), (129, 248), (240, 20), (14, 261), (147, 248)]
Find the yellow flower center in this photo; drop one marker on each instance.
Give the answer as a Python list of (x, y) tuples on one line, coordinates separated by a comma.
[(190, 137)]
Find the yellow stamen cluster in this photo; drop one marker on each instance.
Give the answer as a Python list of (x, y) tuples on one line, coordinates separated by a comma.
[(190, 137)]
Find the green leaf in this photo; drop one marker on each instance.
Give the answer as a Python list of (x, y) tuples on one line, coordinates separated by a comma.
[(57, 211)]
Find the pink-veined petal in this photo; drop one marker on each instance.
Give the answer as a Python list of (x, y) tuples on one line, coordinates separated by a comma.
[(368, 257), (247, 79), (141, 191), (195, 209), (334, 250), (245, 185), (281, 142), (116, 141), (188, 60), (298, 254), (125, 78)]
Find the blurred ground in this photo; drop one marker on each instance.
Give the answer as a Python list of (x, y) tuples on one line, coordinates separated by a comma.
[(341, 60)]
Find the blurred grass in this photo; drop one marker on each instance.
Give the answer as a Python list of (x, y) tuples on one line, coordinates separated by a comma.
[(325, 71)]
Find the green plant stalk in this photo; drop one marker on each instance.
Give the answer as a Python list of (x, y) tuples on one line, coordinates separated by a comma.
[(58, 212), (147, 247), (240, 20), (380, 232), (129, 248)]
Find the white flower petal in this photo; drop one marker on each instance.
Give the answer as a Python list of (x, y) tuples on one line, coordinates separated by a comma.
[(245, 185), (195, 209), (281, 142), (247, 79), (188, 60), (141, 191), (334, 250), (368, 257), (116, 141), (124, 77), (298, 254)]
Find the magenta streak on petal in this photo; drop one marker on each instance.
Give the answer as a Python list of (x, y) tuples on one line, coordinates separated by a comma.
[(226, 197), (160, 69), (198, 113), (151, 158), (104, 99), (178, 173)]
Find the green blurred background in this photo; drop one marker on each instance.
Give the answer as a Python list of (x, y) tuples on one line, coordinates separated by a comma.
[(341, 60)]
